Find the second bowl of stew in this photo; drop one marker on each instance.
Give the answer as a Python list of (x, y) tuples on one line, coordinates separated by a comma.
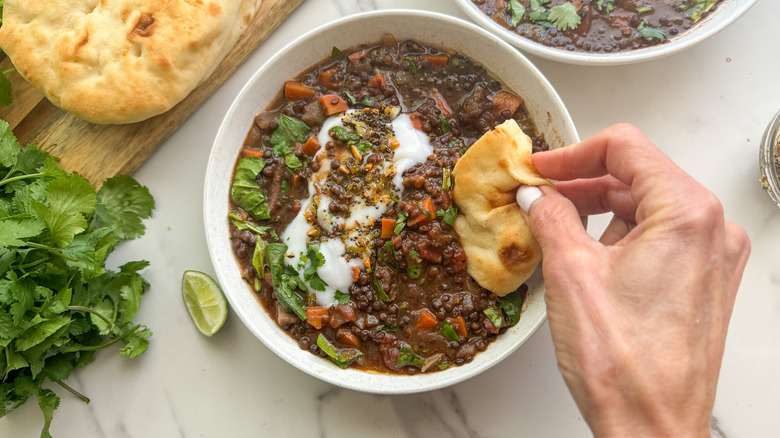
[(604, 32), (328, 204)]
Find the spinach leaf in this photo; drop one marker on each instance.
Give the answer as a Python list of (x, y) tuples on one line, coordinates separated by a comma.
[(341, 357), (246, 192), (288, 299), (407, 356), (289, 132), (512, 305)]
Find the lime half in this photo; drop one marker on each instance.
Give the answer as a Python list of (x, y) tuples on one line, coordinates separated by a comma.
[(205, 301)]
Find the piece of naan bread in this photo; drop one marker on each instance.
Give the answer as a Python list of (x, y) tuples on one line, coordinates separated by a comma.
[(120, 61), (502, 253)]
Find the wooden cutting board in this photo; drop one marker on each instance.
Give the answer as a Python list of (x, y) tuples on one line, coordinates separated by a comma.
[(98, 152)]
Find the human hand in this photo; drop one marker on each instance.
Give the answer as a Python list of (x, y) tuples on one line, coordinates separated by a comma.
[(638, 318)]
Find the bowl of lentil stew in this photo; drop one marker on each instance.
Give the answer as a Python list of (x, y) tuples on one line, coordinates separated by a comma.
[(418, 33), (604, 32)]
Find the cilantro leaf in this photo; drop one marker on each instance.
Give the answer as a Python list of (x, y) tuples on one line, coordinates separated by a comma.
[(341, 297), (12, 230), (564, 16), (650, 32), (48, 402), (9, 147), (69, 199), (518, 11), (123, 202), (449, 215)]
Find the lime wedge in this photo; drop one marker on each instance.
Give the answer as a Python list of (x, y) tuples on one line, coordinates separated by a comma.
[(205, 301)]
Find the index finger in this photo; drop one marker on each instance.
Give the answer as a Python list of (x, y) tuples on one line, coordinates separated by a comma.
[(628, 155)]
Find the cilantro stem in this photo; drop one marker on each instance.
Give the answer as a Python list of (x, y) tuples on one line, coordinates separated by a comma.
[(93, 312), (10, 70), (21, 177), (81, 396), (105, 344), (51, 250)]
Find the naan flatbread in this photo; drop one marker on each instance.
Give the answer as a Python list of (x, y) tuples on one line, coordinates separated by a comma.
[(502, 252), (120, 61)]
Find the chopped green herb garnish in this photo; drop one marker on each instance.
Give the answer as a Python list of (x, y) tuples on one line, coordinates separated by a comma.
[(649, 32), (517, 10), (363, 146), (315, 259), (449, 215), (400, 223), (449, 332), (343, 134), (424, 210), (445, 124), (380, 291), (564, 16), (644, 10), (494, 317), (241, 224), (446, 179), (407, 356), (696, 8), (412, 65), (413, 264), (335, 51), (341, 297), (341, 357)]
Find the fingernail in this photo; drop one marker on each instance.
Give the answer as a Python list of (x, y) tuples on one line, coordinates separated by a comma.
[(526, 195)]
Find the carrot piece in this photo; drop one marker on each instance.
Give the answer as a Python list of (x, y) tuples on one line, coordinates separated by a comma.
[(347, 338), (388, 225), (355, 274), (441, 103), (294, 90), (416, 123), (333, 104), (356, 55), (426, 320), (427, 211), (438, 60), (317, 316), (311, 146), (504, 100), (326, 78), (253, 153), (378, 81), (459, 324)]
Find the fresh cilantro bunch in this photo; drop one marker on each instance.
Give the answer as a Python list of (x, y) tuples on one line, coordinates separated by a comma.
[(58, 302)]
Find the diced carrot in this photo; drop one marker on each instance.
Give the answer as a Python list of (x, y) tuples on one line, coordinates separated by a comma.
[(426, 212), (356, 55), (441, 103), (459, 324), (294, 90), (416, 123), (333, 104), (388, 225), (426, 320), (253, 153), (355, 273), (326, 78), (378, 81), (347, 338), (504, 100), (438, 60), (317, 316), (311, 146)]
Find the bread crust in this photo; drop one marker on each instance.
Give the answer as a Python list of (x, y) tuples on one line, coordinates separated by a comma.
[(120, 61), (502, 252)]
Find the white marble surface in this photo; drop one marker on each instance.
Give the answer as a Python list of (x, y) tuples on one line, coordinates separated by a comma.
[(706, 108)]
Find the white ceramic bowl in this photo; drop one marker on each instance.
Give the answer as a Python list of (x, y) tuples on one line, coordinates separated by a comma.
[(725, 14), (502, 60)]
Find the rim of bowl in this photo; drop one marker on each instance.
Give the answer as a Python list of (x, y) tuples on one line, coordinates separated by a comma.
[(215, 203), (731, 10), (767, 157)]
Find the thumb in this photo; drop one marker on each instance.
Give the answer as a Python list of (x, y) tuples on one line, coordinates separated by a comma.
[(553, 219)]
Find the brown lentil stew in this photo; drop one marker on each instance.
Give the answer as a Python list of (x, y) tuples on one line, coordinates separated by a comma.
[(412, 306), (597, 26)]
